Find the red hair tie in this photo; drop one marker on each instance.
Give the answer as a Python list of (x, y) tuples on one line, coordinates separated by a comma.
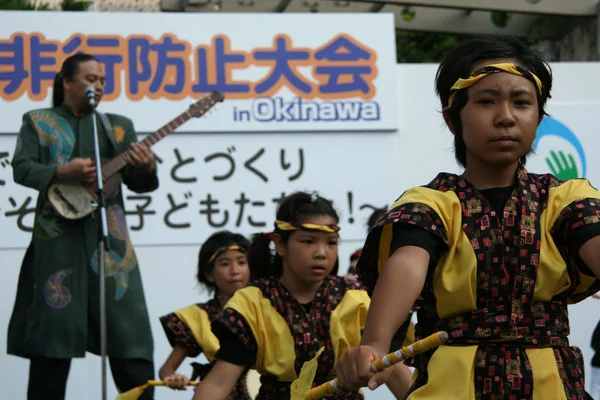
[(269, 235)]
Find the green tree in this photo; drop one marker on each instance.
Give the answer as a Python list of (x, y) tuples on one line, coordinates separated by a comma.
[(423, 47), (430, 47), (75, 5), (20, 5), (66, 5)]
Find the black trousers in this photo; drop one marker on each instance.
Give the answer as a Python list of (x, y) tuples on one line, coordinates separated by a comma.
[(48, 377)]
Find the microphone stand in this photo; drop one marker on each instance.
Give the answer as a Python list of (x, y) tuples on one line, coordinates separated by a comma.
[(103, 242)]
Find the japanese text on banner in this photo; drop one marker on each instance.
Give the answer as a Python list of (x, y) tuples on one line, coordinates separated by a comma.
[(168, 67), (182, 205)]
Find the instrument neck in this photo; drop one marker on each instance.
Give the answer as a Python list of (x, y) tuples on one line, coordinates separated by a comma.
[(120, 161)]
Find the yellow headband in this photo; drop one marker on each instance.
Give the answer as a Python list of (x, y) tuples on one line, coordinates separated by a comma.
[(225, 250), (490, 69), (286, 226)]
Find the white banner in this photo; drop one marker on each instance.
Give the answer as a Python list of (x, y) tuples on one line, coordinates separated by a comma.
[(229, 181), (277, 71)]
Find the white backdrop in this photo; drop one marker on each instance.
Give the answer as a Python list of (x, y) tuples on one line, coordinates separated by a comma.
[(420, 149), (375, 166), (334, 75), (338, 137), (349, 67)]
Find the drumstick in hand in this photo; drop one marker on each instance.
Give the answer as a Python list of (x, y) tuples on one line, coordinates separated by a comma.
[(384, 362)]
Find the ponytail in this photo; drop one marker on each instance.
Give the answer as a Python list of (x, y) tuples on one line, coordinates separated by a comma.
[(262, 260), (69, 69), (58, 92)]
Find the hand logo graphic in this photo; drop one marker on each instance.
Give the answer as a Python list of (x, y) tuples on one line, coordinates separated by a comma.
[(562, 168)]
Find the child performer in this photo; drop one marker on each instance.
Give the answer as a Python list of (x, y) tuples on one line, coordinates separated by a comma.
[(293, 309), (494, 255), (351, 274), (222, 269)]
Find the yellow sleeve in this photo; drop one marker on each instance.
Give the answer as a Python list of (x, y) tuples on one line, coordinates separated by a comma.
[(275, 353), (429, 209), (197, 320), (454, 280), (573, 205), (348, 320)]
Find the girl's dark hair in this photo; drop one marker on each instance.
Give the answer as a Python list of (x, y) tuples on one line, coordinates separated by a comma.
[(69, 69), (375, 215), (212, 244), (459, 64), (296, 209)]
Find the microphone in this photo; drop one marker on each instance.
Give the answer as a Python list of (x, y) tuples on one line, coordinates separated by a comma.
[(90, 92)]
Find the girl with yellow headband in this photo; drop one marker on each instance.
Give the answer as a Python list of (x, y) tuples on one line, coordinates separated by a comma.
[(222, 269), (492, 256), (294, 308)]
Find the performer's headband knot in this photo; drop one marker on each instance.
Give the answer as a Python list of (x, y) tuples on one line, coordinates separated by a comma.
[(225, 249), (481, 73), (269, 235)]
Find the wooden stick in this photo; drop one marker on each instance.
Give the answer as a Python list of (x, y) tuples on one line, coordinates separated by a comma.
[(162, 383), (384, 362)]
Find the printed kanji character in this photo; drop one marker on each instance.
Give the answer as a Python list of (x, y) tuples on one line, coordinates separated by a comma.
[(248, 165), (12, 66), (286, 165), (37, 47), (284, 65), (107, 49), (21, 213), (71, 44), (149, 59), (242, 201), (138, 50), (4, 163), (210, 212), (170, 53), (180, 163), (227, 157), (218, 66), (174, 208), (346, 67), (140, 210)]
